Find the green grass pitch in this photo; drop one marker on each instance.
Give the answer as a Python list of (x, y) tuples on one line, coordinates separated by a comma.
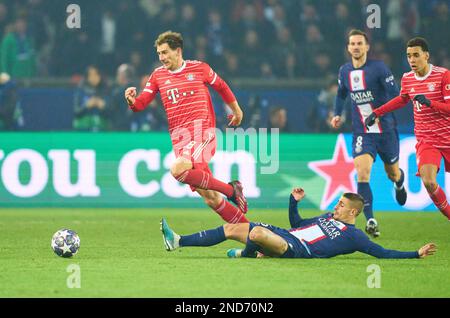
[(122, 255)]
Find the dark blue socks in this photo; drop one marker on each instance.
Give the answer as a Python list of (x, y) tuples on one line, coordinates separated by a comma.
[(204, 238), (250, 249), (365, 191)]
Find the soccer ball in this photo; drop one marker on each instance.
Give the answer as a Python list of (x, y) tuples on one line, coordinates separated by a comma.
[(65, 243)]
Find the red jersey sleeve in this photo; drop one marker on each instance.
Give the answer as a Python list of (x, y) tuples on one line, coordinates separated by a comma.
[(445, 87), (220, 86), (147, 95)]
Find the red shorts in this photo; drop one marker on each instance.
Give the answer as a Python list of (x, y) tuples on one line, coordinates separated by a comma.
[(198, 152), (428, 154)]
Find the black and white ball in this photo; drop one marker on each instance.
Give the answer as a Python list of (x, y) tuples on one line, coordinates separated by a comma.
[(65, 243)]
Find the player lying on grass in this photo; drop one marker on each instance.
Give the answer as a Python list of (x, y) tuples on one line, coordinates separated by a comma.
[(323, 236)]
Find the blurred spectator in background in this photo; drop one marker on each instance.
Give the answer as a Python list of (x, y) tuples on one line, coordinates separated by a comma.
[(108, 42), (278, 119), (8, 102), (118, 111), (91, 100), (318, 117), (282, 54), (314, 51), (73, 54), (253, 111), (438, 23), (4, 18), (191, 25), (231, 65), (216, 38), (18, 57), (251, 56), (137, 63)]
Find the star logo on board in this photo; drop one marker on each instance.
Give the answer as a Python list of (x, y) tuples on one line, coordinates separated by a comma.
[(339, 173)]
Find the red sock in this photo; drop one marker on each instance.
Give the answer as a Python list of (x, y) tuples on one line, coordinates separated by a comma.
[(230, 213), (440, 200), (202, 180)]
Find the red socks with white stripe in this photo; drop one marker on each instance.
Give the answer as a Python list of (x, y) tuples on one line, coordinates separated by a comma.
[(229, 213), (203, 180), (440, 200)]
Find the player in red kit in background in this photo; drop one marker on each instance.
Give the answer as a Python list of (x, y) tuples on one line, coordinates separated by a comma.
[(428, 86), (182, 85)]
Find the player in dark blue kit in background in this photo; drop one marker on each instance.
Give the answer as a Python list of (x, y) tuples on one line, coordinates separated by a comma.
[(370, 84), (324, 236)]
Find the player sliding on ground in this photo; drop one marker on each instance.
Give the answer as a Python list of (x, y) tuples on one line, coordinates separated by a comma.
[(428, 86), (325, 236), (182, 85)]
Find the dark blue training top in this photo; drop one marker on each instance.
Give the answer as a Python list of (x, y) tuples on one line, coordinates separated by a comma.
[(325, 237), (369, 87)]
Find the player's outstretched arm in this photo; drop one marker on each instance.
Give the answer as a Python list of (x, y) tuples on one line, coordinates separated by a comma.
[(297, 195), (427, 250), (368, 247)]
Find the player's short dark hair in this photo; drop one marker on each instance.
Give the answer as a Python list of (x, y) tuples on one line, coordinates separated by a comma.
[(356, 199), (173, 39), (358, 32), (418, 41)]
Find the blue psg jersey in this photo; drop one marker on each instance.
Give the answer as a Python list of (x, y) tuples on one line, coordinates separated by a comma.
[(368, 87), (325, 237)]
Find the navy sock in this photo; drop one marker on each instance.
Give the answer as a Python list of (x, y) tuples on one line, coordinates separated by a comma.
[(365, 191), (204, 238), (250, 249), (399, 183)]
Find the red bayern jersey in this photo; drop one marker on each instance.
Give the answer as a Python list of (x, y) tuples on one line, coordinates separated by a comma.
[(431, 126), (185, 96)]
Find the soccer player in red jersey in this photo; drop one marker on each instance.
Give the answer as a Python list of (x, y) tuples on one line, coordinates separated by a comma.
[(182, 85), (428, 86)]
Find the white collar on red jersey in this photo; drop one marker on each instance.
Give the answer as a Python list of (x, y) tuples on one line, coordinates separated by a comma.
[(178, 70), (426, 75)]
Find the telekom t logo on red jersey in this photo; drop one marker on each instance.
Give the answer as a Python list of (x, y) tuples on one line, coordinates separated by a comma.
[(417, 105), (173, 95)]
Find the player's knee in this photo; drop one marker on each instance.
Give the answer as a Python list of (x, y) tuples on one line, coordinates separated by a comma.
[(256, 234), (179, 166), (363, 174)]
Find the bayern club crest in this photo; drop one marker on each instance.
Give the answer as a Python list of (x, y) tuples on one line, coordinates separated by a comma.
[(190, 77), (431, 87)]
